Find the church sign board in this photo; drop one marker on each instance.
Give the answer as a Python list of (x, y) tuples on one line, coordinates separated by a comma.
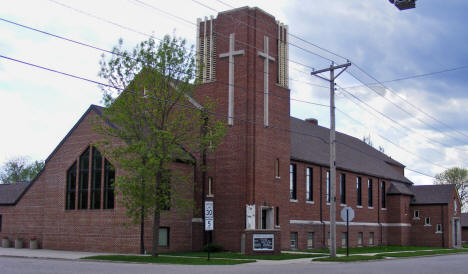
[(263, 242)]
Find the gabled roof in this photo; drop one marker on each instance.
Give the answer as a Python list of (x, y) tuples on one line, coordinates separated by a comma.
[(432, 194), (309, 143), (464, 219), (16, 189), (396, 188), (10, 193)]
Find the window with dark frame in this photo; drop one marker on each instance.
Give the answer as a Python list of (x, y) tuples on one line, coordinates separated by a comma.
[(109, 179), (292, 182), (310, 240), (210, 186), (71, 187), (277, 168), (343, 188), (293, 240), (427, 221), (369, 193), (309, 184), (384, 195), (416, 214), (83, 180), (359, 191), (164, 236), (99, 181), (328, 187), (439, 228), (96, 178), (277, 216)]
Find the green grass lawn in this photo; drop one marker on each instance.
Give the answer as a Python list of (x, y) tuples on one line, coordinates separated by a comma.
[(233, 255), (414, 253), (373, 249), (167, 260)]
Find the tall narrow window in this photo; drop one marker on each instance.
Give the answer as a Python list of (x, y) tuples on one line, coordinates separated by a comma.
[(277, 215), (310, 240), (293, 240), (359, 191), (343, 239), (210, 186), (369, 193), (371, 238), (96, 177), (71, 187), (109, 178), (292, 182), (309, 185), (277, 168), (164, 236), (328, 187), (83, 180), (359, 239), (343, 189), (384, 195)]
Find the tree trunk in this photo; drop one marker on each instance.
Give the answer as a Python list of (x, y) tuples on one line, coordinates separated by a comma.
[(156, 219)]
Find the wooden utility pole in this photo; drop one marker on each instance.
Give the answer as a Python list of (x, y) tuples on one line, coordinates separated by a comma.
[(332, 177)]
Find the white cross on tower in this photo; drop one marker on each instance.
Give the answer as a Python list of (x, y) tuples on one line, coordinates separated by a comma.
[(231, 55), (265, 78)]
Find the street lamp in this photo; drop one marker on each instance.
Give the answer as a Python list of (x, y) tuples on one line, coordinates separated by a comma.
[(404, 4)]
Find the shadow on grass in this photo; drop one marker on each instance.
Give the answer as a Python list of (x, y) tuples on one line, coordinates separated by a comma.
[(167, 260), (234, 255)]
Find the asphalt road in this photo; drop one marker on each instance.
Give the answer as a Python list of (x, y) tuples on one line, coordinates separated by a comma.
[(427, 265)]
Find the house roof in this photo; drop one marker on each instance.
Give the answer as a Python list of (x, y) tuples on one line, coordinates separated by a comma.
[(396, 188), (464, 219), (10, 193), (432, 194), (309, 143)]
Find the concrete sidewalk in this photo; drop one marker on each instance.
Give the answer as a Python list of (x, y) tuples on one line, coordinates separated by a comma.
[(46, 253)]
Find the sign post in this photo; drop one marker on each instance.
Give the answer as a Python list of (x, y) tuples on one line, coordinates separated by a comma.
[(347, 214), (209, 221)]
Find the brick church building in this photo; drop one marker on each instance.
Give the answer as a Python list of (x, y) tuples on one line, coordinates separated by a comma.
[(268, 180)]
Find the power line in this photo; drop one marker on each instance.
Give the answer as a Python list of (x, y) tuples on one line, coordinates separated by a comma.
[(391, 142), (118, 54), (258, 29), (159, 39), (405, 111), (182, 105), (411, 104), (391, 119), (413, 76), (326, 50)]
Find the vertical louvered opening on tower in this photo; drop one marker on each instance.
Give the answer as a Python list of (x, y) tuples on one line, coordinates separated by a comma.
[(283, 55), (206, 50)]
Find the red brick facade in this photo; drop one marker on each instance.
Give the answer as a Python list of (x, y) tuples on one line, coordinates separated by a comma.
[(243, 173)]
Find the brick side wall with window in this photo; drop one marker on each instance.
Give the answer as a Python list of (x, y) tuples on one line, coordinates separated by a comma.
[(42, 213)]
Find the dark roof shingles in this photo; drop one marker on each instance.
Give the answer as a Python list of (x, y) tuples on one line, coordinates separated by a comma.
[(432, 194), (309, 143), (9, 193)]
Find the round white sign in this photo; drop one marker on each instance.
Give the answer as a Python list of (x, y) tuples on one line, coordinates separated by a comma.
[(350, 214)]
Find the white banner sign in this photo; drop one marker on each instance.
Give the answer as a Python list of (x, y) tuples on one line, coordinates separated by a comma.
[(209, 215)]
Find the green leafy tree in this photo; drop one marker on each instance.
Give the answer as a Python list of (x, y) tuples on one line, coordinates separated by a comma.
[(20, 169), (149, 104), (458, 177)]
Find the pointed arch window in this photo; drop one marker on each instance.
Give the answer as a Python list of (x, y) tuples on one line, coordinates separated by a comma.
[(90, 182)]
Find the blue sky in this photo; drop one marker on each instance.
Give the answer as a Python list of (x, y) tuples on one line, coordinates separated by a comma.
[(38, 108)]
